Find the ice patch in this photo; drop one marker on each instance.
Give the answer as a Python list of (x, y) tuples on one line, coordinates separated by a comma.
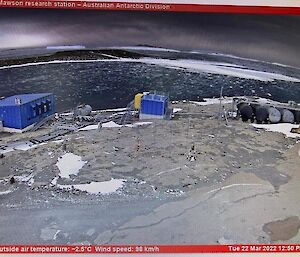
[(69, 164), (284, 128), (105, 187)]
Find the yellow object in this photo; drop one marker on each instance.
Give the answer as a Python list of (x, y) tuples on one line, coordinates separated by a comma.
[(296, 130), (138, 100)]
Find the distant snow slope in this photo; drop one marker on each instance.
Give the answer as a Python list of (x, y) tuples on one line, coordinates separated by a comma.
[(147, 48), (218, 68), (75, 47)]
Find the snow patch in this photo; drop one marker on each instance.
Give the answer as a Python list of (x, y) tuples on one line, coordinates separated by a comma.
[(54, 181), (69, 164), (110, 124), (177, 110), (6, 149), (110, 56), (138, 124), (28, 179), (66, 114), (284, 128), (5, 192), (105, 187), (90, 127), (22, 146), (58, 141), (25, 146), (209, 101), (111, 110)]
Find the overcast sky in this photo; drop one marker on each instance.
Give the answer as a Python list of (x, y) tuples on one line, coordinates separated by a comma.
[(265, 37)]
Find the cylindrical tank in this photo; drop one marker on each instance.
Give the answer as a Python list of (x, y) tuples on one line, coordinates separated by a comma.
[(274, 115), (297, 116), (287, 116), (246, 111), (261, 114), (83, 110)]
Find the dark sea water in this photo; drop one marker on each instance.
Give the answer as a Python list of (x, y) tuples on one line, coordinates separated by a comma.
[(114, 84)]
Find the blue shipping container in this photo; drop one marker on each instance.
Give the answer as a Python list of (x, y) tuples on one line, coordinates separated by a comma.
[(152, 104), (21, 111)]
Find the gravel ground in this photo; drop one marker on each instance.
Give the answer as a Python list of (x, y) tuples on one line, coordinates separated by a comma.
[(188, 180)]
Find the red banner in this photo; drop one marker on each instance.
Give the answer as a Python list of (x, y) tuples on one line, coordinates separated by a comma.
[(135, 6), (138, 249)]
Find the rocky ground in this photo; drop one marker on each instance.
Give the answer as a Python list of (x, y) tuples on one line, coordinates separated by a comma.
[(190, 180)]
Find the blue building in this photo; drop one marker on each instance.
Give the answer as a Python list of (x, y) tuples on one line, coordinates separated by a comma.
[(20, 112), (154, 106)]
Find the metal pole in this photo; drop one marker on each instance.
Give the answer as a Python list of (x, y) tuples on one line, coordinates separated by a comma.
[(220, 107)]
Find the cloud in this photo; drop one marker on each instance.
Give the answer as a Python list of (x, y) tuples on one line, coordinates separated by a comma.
[(266, 37)]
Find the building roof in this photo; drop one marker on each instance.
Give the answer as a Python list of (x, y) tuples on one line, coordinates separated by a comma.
[(155, 97), (25, 98)]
